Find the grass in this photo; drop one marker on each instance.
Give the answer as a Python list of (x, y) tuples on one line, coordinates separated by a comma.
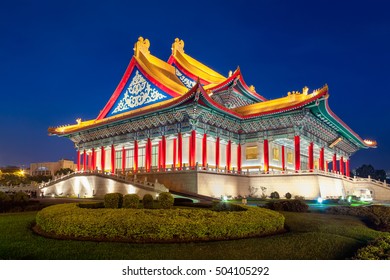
[(310, 236)]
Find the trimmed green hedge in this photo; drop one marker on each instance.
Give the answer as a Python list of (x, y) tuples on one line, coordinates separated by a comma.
[(144, 225), (376, 216), (131, 201), (288, 205), (147, 201), (113, 200), (166, 200), (378, 249)]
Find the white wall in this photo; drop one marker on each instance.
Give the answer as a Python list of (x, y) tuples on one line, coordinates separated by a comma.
[(87, 186)]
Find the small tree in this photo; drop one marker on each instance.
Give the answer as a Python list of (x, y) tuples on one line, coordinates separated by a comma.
[(113, 200), (275, 195), (288, 195), (147, 201), (131, 201), (20, 198), (166, 200), (5, 202), (63, 171)]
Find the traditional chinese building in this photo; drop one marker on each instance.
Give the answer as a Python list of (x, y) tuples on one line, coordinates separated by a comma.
[(180, 115)]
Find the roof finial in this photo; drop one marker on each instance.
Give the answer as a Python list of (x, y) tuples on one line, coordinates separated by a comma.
[(142, 45), (178, 45)]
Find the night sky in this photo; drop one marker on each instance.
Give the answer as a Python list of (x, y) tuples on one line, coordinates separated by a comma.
[(61, 60)]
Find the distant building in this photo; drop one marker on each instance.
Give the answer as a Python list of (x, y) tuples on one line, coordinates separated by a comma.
[(50, 168)]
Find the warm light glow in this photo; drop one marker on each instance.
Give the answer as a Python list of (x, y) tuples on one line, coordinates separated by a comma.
[(371, 143), (335, 142)]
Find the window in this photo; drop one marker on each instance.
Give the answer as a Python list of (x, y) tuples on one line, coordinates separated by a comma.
[(155, 155), (129, 158), (290, 157), (118, 160), (251, 152), (141, 157), (275, 153)]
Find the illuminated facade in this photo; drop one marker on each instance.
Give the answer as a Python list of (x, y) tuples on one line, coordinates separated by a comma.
[(181, 115)]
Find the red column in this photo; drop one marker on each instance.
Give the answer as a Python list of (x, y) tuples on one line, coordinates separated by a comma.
[(78, 160), (266, 155), (311, 156), (112, 159), (148, 155), (135, 165), (239, 157), (347, 172), (123, 160), (180, 150), (297, 149), (283, 159), (326, 165), (334, 166), (228, 155), (204, 150), (322, 159), (217, 153), (93, 159), (174, 153), (192, 145), (341, 162), (103, 159), (159, 156), (85, 160), (164, 152)]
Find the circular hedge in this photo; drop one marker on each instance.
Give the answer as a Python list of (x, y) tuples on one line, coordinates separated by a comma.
[(158, 225)]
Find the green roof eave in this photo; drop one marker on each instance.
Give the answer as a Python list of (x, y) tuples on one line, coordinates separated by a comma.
[(321, 110)]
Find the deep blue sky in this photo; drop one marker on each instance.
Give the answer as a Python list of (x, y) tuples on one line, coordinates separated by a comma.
[(60, 60)]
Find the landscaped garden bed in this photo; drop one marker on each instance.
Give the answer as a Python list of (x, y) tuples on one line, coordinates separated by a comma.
[(69, 221)]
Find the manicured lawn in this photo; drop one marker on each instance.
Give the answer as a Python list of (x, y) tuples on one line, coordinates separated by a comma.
[(310, 236)]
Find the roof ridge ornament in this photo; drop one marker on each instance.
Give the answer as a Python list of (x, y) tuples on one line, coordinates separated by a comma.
[(142, 45), (178, 45)]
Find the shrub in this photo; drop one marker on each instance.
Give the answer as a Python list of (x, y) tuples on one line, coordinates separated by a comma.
[(376, 216), (288, 195), (20, 198), (226, 206), (275, 195), (113, 200), (288, 205), (160, 225), (5, 202), (4, 197), (131, 201), (91, 205), (147, 201), (299, 197), (166, 200), (378, 249)]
